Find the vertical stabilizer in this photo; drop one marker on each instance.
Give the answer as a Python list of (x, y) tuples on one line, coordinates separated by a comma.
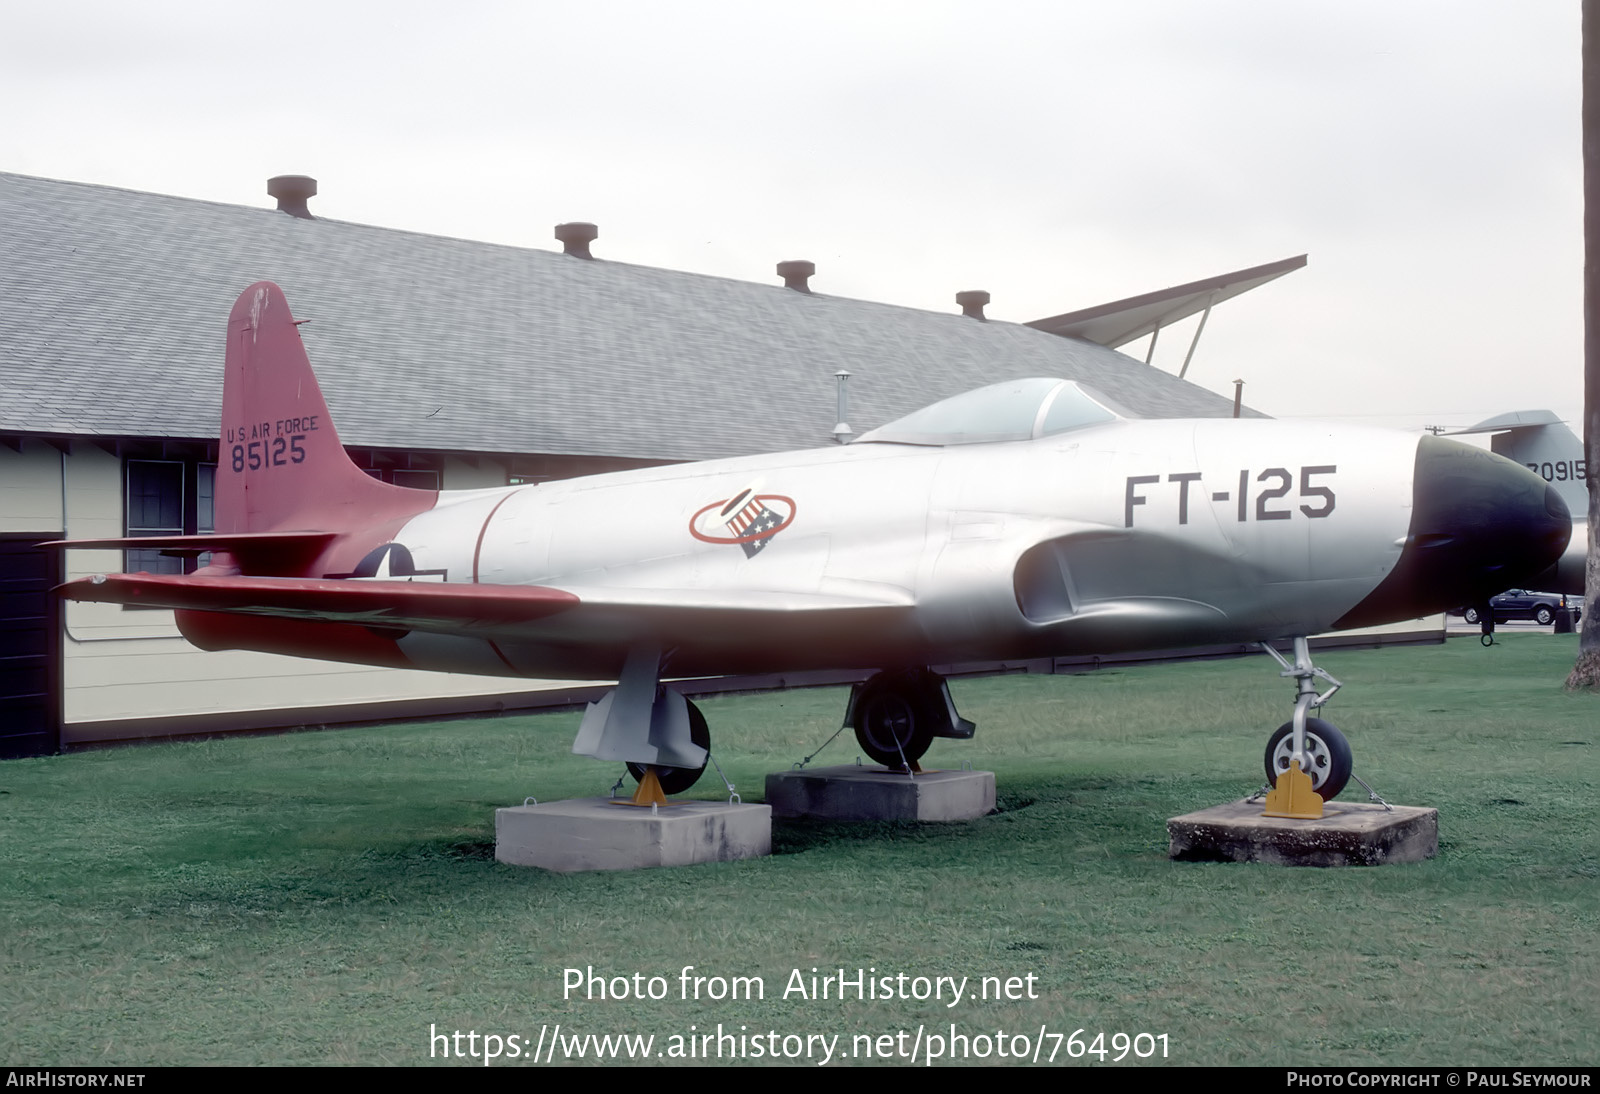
[(1544, 444), (280, 466)]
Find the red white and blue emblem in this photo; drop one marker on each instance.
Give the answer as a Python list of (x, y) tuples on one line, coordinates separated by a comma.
[(748, 519), (392, 562)]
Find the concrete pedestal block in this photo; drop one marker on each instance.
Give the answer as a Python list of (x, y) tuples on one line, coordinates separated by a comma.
[(877, 794), (1349, 834), (599, 834)]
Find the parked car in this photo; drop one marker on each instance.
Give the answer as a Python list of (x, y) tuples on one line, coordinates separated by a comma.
[(1526, 604)]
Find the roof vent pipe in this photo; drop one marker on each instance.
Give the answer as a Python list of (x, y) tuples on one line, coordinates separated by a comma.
[(796, 273), (292, 192), (972, 302), (841, 431), (576, 236)]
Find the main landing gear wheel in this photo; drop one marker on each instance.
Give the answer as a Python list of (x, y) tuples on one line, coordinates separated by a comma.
[(675, 780), (1329, 752), (893, 723)]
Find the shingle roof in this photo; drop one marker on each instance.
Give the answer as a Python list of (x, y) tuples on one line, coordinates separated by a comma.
[(113, 305)]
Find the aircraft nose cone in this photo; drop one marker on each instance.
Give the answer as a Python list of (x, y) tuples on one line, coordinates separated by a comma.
[(1480, 524)]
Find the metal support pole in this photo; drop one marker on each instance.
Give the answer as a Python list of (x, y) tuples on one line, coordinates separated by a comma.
[(1305, 697), (841, 431), (1198, 331)]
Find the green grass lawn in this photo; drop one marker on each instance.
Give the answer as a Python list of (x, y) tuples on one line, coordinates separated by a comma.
[(328, 897)]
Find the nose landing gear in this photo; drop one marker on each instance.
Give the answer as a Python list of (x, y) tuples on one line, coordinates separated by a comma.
[(1308, 760)]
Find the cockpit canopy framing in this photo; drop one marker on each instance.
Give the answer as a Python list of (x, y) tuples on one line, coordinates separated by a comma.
[(1013, 410)]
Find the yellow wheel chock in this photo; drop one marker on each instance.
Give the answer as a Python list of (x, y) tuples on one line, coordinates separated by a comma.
[(1292, 797), (649, 792)]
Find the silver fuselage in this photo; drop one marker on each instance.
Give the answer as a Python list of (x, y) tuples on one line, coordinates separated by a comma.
[(1125, 535)]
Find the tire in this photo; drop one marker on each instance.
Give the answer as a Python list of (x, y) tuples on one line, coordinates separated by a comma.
[(1543, 616), (892, 720), (1470, 615), (675, 780), (1331, 761)]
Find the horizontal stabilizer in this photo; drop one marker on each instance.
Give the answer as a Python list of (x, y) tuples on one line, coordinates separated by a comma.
[(205, 541), (1515, 419), (288, 547), (395, 604)]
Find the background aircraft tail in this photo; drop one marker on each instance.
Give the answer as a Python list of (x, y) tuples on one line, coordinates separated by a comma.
[(1545, 445)]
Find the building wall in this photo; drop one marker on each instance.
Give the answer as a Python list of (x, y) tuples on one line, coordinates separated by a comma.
[(30, 488), (476, 473)]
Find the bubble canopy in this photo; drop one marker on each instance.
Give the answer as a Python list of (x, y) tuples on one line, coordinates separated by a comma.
[(1015, 410)]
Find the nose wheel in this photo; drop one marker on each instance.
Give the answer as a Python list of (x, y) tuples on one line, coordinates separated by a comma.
[(1328, 759)]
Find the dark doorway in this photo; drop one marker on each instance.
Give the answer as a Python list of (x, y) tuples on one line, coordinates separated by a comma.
[(30, 647)]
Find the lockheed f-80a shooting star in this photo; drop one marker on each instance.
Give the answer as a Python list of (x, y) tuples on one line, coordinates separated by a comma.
[(1026, 519)]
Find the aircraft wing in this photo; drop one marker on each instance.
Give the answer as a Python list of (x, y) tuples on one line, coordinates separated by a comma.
[(455, 608), (867, 596)]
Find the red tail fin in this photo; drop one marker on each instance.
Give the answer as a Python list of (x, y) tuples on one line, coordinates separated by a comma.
[(280, 465)]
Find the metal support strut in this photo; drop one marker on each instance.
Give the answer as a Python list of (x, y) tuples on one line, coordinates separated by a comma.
[(1306, 697)]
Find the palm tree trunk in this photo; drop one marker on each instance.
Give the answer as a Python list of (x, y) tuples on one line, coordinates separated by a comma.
[(1586, 673)]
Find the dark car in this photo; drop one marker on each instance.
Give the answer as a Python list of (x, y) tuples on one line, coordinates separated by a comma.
[(1526, 604)]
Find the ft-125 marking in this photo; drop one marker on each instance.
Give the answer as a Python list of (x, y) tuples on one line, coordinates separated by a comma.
[(1276, 483)]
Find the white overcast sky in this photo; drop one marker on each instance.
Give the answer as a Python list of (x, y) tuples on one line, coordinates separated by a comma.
[(1425, 154)]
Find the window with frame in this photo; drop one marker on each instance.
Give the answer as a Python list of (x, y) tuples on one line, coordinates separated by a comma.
[(417, 470), (167, 498)]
